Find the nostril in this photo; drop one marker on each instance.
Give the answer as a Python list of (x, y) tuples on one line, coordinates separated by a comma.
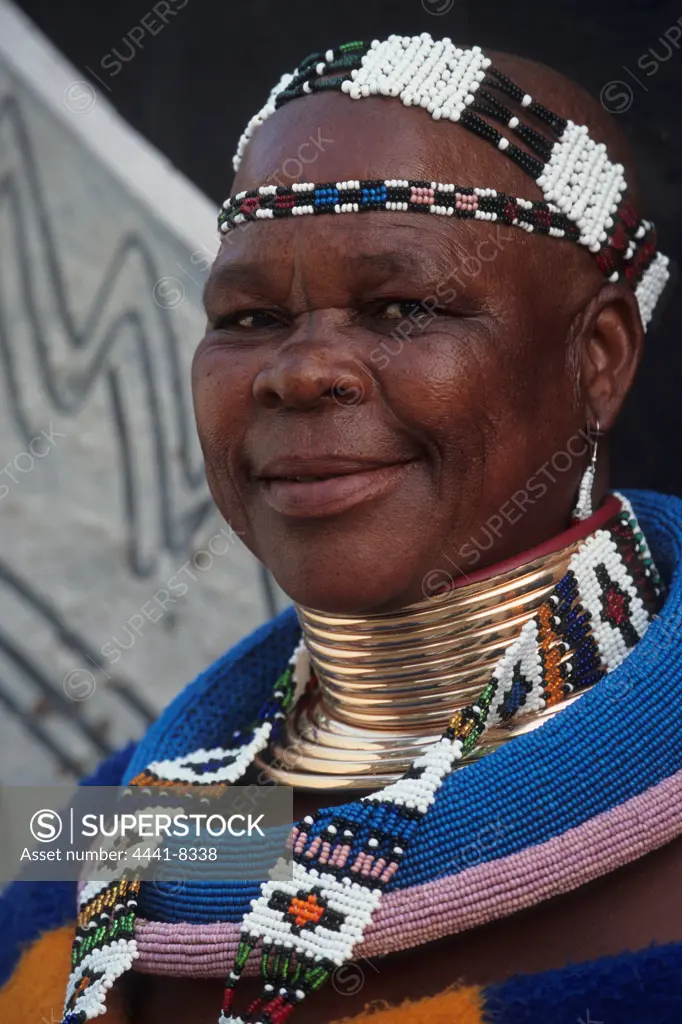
[(298, 382), (348, 390)]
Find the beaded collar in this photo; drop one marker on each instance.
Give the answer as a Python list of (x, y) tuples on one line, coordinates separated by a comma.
[(584, 194), (346, 859)]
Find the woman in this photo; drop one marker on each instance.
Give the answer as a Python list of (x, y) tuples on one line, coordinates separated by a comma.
[(406, 419)]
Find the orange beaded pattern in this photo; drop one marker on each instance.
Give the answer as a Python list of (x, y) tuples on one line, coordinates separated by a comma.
[(117, 892), (305, 911), (552, 653)]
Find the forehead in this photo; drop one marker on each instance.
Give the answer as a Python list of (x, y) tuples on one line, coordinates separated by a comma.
[(333, 256), (330, 137)]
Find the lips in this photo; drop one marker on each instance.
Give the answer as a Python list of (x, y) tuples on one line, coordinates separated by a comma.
[(313, 487)]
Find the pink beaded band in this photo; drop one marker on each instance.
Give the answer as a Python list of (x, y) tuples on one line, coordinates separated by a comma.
[(470, 898)]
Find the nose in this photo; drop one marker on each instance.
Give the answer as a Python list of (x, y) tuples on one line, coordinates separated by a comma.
[(309, 371)]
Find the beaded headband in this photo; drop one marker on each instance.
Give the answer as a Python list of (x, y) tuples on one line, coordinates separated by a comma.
[(585, 195)]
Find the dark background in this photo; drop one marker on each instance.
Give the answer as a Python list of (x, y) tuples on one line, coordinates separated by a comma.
[(191, 88)]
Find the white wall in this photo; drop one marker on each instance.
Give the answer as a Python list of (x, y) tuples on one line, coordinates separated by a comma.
[(103, 252)]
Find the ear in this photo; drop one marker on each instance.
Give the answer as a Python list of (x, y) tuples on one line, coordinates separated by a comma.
[(610, 343)]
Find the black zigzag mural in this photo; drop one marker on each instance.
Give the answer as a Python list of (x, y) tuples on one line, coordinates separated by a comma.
[(125, 342), (175, 473)]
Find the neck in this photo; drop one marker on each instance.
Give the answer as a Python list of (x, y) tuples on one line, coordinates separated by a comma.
[(386, 685)]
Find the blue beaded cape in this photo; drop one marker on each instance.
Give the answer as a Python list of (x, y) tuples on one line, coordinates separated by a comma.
[(646, 683)]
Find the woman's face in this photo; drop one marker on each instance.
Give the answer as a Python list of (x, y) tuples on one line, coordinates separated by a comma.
[(379, 397)]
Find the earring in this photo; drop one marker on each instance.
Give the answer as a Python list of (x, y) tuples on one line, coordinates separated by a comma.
[(583, 509)]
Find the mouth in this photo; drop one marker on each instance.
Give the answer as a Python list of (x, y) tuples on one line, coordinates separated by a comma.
[(310, 488)]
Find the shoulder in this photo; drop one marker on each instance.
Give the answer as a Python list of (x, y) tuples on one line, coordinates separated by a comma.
[(31, 910), (639, 986), (225, 696)]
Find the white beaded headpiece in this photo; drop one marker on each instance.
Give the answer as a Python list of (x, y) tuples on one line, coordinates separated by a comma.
[(585, 194)]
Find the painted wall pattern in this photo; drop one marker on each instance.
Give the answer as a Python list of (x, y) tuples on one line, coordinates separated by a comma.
[(118, 580)]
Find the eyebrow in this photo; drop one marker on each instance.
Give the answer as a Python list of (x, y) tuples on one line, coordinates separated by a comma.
[(387, 264), (254, 274), (249, 275)]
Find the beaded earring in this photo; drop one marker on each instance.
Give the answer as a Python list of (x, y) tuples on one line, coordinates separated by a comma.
[(583, 508)]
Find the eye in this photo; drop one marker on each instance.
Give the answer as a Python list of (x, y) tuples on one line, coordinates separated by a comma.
[(401, 309), (249, 319)]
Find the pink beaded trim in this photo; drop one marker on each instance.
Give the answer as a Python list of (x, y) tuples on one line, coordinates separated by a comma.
[(410, 917), (422, 196)]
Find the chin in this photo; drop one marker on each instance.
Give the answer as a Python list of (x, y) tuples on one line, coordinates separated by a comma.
[(343, 591)]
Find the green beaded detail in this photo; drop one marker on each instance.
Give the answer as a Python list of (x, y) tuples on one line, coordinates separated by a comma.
[(243, 950), (286, 684), (122, 928)]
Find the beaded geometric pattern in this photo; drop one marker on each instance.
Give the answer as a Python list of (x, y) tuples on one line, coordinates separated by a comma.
[(307, 926), (104, 946), (585, 194), (446, 200)]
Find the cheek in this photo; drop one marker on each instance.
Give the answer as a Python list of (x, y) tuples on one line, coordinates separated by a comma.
[(221, 391), (486, 406), (222, 394), (440, 385), (221, 383)]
